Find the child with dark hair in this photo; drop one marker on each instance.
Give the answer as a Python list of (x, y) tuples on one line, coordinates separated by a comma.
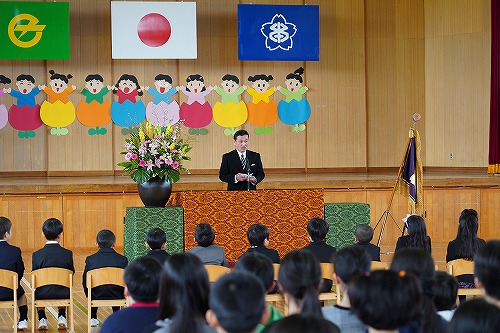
[(237, 303), (363, 235), (156, 241), (445, 292), (475, 316), (52, 255), (487, 271), (317, 228), (417, 234), (184, 293), (349, 263), (258, 237), (300, 323), (106, 256), (420, 264), (386, 300), (142, 278), (262, 267), (12, 260), (262, 110), (208, 252)]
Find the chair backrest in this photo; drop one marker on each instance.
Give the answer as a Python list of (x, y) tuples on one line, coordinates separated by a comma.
[(378, 265), (216, 271), (460, 266), (8, 279), (51, 275), (106, 275), (276, 268), (327, 270)]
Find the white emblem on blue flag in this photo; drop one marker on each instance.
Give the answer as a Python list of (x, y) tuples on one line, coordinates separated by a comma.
[(279, 33)]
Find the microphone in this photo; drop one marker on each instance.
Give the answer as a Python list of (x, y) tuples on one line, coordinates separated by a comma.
[(247, 163)]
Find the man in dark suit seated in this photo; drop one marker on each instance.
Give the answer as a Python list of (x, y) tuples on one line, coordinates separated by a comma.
[(105, 257), (258, 236), (241, 169), (156, 241), (363, 235), (11, 260), (52, 255)]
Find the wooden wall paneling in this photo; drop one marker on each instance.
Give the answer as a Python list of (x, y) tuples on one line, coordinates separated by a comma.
[(489, 214), (332, 196), (27, 214), (336, 135)]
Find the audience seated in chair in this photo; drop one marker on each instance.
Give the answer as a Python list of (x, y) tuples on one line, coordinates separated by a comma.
[(184, 294), (363, 235), (258, 237), (349, 263), (317, 229), (141, 288), (52, 255), (11, 260), (156, 241), (445, 292), (301, 323), (262, 267), (106, 256), (417, 234), (487, 271), (236, 303), (206, 250), (475, 316)]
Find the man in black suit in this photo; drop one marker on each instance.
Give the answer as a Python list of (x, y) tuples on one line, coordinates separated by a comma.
[(258, 237), (236, 165), (363, 235), (52, 255), (156, 241), (105, 257), (11, 260)]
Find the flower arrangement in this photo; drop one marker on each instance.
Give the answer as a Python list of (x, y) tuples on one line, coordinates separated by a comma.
[(155, 151)]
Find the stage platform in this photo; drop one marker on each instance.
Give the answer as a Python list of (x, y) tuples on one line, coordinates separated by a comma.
[(449, 178)]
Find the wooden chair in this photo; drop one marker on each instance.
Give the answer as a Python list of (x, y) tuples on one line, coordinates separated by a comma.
[(277, 300), (57, 276), (101, 276), (459, 267), (8, 279), (378, 265), (327, 271), (216, 271)]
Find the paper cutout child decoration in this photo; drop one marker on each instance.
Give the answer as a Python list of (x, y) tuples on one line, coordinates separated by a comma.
[(58, 112), (94, 111), (295, 109), (230, 112), (262, 111), (4, 115), (196, 112), (162, 111), (127, 111)]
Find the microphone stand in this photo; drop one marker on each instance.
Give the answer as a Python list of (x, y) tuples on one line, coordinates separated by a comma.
[(248, 173)]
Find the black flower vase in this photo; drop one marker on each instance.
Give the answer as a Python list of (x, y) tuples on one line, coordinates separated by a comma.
[(155, 192)]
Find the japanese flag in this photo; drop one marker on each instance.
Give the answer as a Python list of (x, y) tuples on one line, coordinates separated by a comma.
[(153, 30)]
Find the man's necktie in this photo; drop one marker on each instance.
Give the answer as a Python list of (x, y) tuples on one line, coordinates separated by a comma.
[(243, 162)]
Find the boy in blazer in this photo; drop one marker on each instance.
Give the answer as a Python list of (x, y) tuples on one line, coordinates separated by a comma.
[(237, 163)]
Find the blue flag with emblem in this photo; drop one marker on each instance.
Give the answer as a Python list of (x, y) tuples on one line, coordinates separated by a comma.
[(278, 32)]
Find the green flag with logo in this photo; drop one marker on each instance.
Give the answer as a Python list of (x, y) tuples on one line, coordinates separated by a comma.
[(34, 30)]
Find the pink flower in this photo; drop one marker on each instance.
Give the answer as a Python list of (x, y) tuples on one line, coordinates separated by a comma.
[(175, 165), (142, 163), (134, 156), (128, 156)]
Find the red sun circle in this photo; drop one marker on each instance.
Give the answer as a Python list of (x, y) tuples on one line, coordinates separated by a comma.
[(154, 29)]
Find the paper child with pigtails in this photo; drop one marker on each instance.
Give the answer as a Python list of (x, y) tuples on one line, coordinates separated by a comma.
[(58, 112), (127, 111), (196, 113), (262, 111), (4, 115), (295, 109), (231, 112), (94, 111), (163, 111), (25, 115)]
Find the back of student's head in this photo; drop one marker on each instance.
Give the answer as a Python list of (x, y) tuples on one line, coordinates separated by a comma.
[(417, 233), (184, 292), (5, 226), (386, 300), (364, 233), (105, 238), (259, 265), (445, 291), (141, 278), (257, 233), (487, 267), (300, 277), (467, 233), (301, 323), (204, 234), (238, 301), (350, 262), (475, 316), (317, 229), (52, 228), (156, 238)]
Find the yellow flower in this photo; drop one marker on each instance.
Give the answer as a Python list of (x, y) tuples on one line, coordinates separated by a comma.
[(141, 134), (149, 129), (172, 146)]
